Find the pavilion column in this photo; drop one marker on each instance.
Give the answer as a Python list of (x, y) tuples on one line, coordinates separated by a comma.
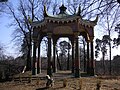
[(92, 71), (77, 58), (39, 60), (34, 67), (54, 57), (68, 59), (88, 52), (84, 56), (49, 68), (73, 55)]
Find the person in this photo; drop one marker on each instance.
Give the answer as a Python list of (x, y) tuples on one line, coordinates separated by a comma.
[(49, 81)]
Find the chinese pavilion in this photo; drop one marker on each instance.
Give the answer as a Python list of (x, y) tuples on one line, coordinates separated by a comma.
[(63, 25)]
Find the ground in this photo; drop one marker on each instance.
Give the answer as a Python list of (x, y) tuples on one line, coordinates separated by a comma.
[(85, 83)]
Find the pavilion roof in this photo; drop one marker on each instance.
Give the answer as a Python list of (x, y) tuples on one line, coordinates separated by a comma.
[(64, 17)]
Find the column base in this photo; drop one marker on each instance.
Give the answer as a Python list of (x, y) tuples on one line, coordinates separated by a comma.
[(38, 70), (88, 71), (54, 70), (34, 71), (92, 72), (72, 70), (49, 71)]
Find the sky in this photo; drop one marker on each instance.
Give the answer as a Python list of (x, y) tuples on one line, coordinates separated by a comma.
[(6, 34), (6, 37)]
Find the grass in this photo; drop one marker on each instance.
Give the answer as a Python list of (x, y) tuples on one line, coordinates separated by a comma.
[(66, 83)]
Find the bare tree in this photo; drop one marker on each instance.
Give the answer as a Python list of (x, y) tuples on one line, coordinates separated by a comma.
[(110, 20), (26, 12), (101, 45), (118, 1)]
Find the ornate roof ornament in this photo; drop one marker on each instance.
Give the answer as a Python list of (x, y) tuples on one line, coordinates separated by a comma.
[(96, 20), (79, 10), (64, 17), (62, 9), (45, 12), (62, 13)]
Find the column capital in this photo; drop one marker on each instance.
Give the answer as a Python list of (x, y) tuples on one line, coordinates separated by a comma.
[(37, 41), (49, 35), (34, 39), (76, 34), (54, 40), (88, 41), (91, 39)]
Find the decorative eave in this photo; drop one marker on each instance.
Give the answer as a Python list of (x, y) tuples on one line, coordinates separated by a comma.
[(96, 20), (86, 22), (38, 24), (89, 23), (54, 20), (65, 20)]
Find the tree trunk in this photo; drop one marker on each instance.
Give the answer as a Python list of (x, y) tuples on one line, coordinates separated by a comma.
[(103, 63), (110, 58)]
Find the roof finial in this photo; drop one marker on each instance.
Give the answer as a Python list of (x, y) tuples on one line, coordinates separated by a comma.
[(96, 19), (79, 10), (62, 9), (45, 11)]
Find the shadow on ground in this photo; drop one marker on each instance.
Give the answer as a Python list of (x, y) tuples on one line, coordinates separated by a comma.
[(43, 88)]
